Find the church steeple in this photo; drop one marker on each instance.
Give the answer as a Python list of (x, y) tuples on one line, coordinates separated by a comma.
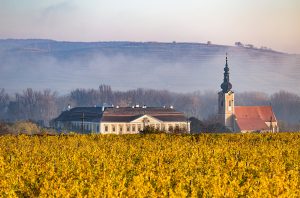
[(226, 85), (226, 101)]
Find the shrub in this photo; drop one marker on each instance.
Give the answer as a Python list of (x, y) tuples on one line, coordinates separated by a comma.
[(150, 130), (25, 127), (4, 128)]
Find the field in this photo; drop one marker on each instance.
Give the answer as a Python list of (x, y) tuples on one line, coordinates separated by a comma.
[(158, 165)]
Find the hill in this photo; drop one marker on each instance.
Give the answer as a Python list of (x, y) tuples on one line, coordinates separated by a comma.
[(181, 67)]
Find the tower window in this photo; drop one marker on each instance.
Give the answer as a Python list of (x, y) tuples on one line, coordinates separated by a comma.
[(222, 103), (230, 103)]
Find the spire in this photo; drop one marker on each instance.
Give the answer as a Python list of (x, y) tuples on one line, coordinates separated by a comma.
[(226, 65), (226, 85), (226, 70)]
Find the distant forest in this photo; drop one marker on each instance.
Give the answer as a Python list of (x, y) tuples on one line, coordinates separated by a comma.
[(47, 104)]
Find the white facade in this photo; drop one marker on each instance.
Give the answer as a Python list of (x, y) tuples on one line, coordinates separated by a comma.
[(122, 121), (140, 123)]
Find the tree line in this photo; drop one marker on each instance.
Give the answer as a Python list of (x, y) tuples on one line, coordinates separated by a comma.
[(42, 106)]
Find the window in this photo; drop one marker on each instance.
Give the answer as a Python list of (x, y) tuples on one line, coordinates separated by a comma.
[(229, 105), (133, 127), (128, 128), (113, 128), (157, 126), (163, 127), (177, 128), (139, 127), (121, 128), (170, 128), (106, 128)]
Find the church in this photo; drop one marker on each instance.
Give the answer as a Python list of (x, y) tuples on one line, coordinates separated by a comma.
[(243, 118)]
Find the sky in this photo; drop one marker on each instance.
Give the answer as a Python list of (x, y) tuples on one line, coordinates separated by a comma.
[(270, 23)]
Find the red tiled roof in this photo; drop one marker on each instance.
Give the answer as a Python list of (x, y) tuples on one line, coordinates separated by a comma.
[(251, 124), (254, 117)]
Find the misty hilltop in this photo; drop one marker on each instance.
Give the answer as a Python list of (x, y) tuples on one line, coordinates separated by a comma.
[(180, 67)]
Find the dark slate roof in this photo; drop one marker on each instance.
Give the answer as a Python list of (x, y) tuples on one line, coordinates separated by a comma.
[(128, 114), (139, 110), (121, 114), (90, 114), (119, 118)]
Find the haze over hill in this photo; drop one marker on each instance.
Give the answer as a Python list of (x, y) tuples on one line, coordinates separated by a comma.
[(180, 67)]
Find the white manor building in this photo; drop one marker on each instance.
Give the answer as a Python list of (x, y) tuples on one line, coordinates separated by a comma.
[(121, 120)]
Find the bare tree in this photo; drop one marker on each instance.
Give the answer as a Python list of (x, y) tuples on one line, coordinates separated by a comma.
[(287, 106), (46, 105), (4, 101)]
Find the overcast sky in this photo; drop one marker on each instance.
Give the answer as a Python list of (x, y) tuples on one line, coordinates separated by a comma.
[(271, 23)]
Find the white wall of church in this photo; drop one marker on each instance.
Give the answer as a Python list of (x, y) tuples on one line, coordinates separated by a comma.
[(226, 109)]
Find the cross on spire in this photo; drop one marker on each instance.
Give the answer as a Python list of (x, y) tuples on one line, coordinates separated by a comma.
[(226, 60), (226, 85)]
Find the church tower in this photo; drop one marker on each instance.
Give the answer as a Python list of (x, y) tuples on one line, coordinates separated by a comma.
[(226, 101)]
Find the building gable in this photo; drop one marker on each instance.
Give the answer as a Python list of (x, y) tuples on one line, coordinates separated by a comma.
[(146, 118)]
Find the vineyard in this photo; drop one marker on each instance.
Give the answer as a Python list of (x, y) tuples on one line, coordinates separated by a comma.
[(157, 165)]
